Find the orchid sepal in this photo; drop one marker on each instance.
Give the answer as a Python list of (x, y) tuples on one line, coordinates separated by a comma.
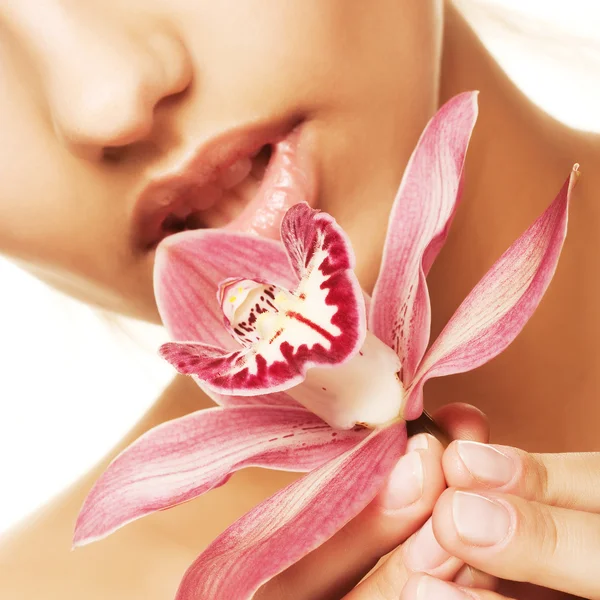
[(181, 459)]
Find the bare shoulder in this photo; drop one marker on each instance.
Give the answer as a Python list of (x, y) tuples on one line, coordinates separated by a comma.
[(36, 560)]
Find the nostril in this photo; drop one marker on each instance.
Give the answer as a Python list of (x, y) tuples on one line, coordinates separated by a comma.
[(101, 125), (113, 153), (110, 103)]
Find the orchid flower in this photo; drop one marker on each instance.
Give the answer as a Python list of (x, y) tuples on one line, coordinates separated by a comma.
[(306, 377)]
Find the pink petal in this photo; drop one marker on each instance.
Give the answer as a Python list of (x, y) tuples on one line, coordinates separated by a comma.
[(498, 307), (242, 372), (189, 267), (322, 257), (296, 520), (321, 323), (419, 222), (181, 459)]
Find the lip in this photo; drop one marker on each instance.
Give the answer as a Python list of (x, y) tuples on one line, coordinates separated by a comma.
[(168, 192)]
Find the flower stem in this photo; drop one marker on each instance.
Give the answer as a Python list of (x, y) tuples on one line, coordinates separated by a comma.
[(426, 424)]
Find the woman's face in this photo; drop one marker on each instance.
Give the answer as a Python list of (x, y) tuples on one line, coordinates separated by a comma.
[(99, 97)]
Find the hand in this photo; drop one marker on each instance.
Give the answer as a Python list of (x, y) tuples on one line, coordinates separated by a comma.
[(395, 516), (521, 517)]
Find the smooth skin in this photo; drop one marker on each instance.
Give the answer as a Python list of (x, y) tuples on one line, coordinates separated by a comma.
[(98, 96)]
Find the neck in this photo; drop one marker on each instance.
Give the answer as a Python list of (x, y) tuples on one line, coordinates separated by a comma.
[(518, 160)]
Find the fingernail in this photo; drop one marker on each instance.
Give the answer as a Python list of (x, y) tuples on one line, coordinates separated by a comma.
[(478, 520), (423, 552), (431, 588), (405, 483), (470, 577), (485, 463), (465, 577), (417, 442)]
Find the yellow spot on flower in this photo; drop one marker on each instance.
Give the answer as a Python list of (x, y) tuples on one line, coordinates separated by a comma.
[(232, 299)]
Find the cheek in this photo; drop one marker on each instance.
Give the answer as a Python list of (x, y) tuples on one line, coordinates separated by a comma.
[(56, 216), (315, 55), (34, 206)]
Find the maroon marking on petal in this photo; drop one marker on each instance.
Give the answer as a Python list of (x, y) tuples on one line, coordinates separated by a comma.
[(305, 231), (306, 234), (296, 315), (277, 334)]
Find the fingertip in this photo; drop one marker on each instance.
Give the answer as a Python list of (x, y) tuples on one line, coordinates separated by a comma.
[(455, 470), (425, 442), (470, 577), (416, 482), (426, 587), (411, 588), (434, 481), (443, 522), (463, 421), (436, 447), (421, 441)]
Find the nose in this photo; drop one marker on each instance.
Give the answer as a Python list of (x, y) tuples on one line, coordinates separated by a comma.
[(103, 92)]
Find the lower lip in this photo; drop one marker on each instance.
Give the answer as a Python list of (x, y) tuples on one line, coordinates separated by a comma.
[(289, 179)]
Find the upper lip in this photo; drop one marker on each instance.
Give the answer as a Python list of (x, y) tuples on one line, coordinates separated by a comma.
[(165, 190)]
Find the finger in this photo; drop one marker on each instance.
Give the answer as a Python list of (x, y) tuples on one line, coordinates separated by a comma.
[(521, 540), (570, 480), (425, 587), (401, 508), (420, 553), (471, 577), (463, 422)]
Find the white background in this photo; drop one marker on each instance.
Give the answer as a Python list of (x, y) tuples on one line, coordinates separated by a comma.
[(71, 386)]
